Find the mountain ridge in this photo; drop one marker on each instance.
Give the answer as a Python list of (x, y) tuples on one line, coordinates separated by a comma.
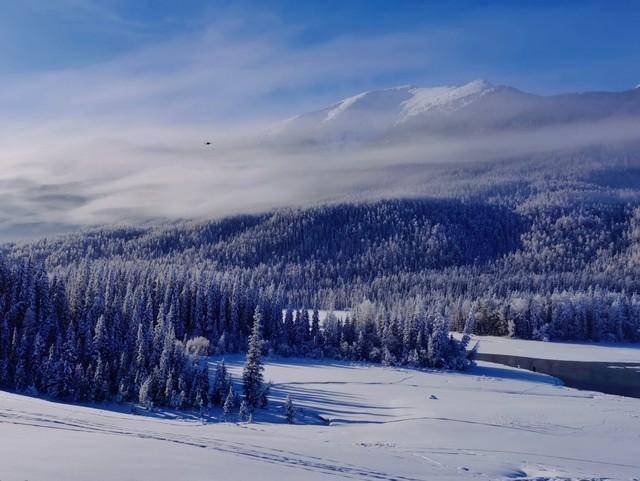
[(477, 106)]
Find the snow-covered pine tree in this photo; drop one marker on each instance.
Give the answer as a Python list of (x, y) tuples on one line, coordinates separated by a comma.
[(315, 328), (288, 337), (229, 403), (302, 330), (438, 341), (201, 385), (146, 396), (220, 386), (289, 410), (469, 326), (252, 378), (264, 395), (243, 412)]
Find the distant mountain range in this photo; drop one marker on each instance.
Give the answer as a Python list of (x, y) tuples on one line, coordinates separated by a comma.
[(476, 107)]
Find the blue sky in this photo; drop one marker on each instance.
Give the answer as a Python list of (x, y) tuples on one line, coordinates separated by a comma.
[(540, 46)]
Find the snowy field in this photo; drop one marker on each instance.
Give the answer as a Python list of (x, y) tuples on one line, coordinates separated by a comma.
[(565, 351), (490, 423)]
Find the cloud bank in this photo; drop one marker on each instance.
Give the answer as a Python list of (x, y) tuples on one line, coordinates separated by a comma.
[(123, 141)]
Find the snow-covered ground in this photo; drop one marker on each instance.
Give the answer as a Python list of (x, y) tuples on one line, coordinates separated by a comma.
[(322, 314), (490, 423), (565, 351)]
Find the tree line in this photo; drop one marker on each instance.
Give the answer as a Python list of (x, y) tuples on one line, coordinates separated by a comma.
[(503, 246), (140, 332)]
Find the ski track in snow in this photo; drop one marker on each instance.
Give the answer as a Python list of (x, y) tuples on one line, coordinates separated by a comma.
[(256, 452), (383, 426)]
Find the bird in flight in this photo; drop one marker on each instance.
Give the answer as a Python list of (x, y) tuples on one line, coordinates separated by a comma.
[(207, 143)]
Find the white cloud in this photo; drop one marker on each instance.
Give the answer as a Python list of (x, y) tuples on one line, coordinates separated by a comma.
[(215, 73), (123, 141)]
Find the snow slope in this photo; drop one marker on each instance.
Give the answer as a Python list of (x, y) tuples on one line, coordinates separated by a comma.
[(408, 112), (490, 423), (565, 351), (424, 99)]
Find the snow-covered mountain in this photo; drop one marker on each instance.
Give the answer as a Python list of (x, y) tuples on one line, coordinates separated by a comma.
[(477, 106)]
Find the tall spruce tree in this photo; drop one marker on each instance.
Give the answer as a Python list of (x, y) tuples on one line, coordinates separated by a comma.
[(289, 410), (229, 403), (252, 377), (244, 411), (221, 384)]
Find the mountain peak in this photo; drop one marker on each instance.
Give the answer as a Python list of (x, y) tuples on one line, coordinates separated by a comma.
[(374, 102), (407, 110), (367, 114), (480, 84), (447, 98), (410, 100)]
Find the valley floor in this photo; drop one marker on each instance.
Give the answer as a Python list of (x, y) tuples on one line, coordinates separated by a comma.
[(492, 422)]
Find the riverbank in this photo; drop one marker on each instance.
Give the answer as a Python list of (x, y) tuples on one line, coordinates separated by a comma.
[(608, 368), (562, 351)]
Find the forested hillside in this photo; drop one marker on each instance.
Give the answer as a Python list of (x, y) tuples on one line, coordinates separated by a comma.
[(547, 271), (116, 327), (512, 237)]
